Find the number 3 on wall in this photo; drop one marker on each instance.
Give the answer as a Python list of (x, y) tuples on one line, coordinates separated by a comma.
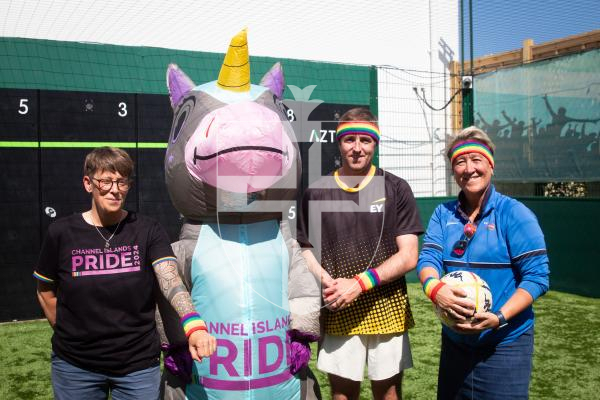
[(122, 109), (23, 107)]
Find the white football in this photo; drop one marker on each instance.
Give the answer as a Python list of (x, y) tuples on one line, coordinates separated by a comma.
[(477, 290)]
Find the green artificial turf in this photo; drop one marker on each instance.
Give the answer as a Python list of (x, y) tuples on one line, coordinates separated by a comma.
[(25, 365), (566, 363)]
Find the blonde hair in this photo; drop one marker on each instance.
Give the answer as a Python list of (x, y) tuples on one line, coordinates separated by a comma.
[(470, 133)]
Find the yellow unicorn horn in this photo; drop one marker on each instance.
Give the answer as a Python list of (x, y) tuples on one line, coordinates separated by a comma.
[(235, 72)]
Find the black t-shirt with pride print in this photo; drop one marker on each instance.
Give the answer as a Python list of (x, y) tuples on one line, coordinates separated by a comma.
[(105, 296)]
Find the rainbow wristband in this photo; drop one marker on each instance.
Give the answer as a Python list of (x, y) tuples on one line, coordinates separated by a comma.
[(431, 287), (368, 279), (429, 284), (191, 323)]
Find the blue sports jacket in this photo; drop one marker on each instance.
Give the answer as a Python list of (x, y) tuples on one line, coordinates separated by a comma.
[(507, 251)]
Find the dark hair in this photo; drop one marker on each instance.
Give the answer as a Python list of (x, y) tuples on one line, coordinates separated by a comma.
[(359, 114), (109, 159)]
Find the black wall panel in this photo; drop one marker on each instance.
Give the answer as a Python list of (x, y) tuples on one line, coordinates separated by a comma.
[(20, 233), (40, 184), (20, 210), (154, 117), (153, 196), (83, 116), (18, 115)]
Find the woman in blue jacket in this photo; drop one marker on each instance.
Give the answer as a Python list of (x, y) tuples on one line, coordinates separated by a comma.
[(486, 355)]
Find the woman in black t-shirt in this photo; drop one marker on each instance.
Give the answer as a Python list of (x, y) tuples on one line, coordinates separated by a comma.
[(96, 277)]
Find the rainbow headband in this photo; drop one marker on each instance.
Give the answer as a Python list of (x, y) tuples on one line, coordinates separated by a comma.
[(470, 146), (357, 128)]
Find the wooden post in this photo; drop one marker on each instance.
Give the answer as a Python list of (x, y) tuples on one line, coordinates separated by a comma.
[(456, 106), (527, 50), (528, 57)]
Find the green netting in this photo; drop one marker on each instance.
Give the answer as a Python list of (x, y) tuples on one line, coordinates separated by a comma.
[(57, 65), (544, 118)]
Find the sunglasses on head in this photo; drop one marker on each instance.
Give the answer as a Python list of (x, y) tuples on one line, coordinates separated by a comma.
[(460, 246)]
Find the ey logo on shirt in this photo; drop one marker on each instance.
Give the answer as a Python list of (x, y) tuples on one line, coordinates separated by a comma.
[(377, 205)]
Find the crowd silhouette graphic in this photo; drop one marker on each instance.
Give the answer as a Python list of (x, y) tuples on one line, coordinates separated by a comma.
[(552, 145)]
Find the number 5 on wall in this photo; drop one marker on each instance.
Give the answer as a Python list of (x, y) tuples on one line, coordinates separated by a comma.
[(23, 107)]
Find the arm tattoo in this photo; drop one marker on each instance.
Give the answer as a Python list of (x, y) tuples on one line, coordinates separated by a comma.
[(182, 303), (172, 287)]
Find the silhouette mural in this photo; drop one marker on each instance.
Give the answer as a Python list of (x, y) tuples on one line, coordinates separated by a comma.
[(544, 119)]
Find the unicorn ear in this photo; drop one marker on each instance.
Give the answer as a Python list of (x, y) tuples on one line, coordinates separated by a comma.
[(274, 80), (178, 83)]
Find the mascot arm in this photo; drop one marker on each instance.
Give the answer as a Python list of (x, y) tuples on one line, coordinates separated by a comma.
[(304, 302), (303, 289)]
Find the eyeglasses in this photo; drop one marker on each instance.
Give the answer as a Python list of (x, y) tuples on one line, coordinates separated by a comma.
[(461, 245), (106, 184)]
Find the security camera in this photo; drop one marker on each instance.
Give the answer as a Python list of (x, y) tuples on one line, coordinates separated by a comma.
[(467, 82)]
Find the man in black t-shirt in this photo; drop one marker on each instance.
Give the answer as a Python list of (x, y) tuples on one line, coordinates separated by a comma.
[(96, 277), (363, 223)]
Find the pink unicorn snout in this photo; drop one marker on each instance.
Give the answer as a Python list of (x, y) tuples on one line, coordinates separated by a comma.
[(241, 148)]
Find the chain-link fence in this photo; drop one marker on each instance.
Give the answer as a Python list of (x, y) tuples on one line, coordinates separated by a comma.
[(416, 117)]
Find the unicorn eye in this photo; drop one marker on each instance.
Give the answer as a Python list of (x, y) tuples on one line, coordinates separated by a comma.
[(179, 122)]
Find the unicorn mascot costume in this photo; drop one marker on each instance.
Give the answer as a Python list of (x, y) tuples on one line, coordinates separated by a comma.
[(232, 169)]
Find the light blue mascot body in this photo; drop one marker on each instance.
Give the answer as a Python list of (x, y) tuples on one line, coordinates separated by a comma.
[(232, 169)]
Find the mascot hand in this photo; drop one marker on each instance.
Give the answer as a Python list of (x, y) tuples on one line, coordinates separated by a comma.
[(201, 344), (178, 360), (300, 349)]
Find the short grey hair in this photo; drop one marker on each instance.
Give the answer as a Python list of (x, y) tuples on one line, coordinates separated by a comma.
[(470, 133)]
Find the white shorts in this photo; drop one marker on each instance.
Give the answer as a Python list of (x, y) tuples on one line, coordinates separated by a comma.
[(346, 356)]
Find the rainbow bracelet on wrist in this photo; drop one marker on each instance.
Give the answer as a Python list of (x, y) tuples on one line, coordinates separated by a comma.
[(368, 279), (191, 323), (431, 286)]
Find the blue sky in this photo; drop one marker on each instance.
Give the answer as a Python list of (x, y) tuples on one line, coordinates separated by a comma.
[(502, 25)]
